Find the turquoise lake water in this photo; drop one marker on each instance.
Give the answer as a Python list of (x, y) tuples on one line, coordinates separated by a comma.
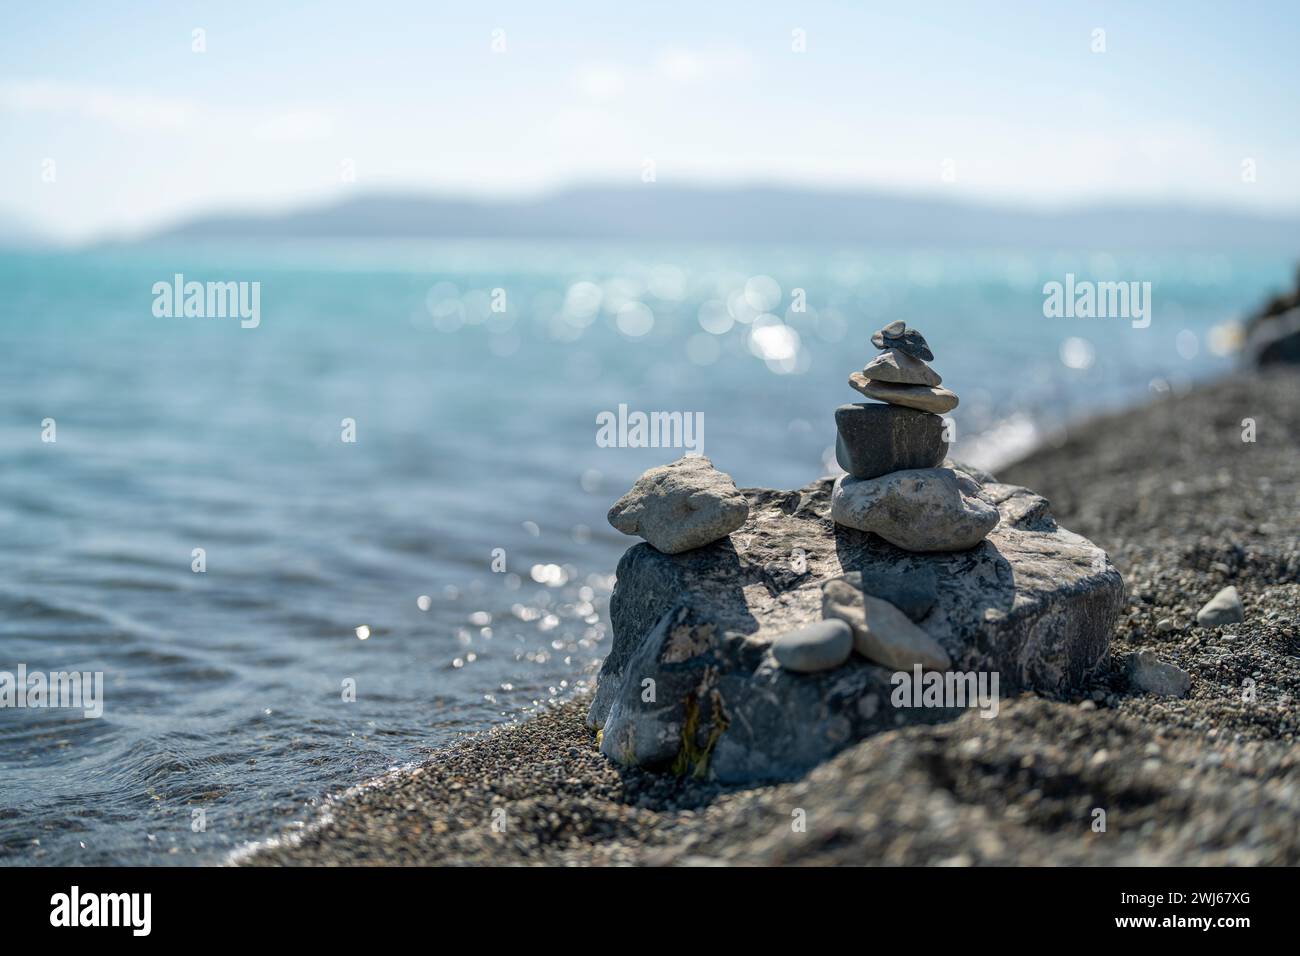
[(475, 445)]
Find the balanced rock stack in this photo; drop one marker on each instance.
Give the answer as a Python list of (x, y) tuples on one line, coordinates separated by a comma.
[(895, 488), (907, 432), (892, 453)]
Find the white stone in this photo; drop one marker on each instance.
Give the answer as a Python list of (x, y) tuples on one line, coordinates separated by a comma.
[(881, 632), (922, 509), (1224, 608), (683, 505)]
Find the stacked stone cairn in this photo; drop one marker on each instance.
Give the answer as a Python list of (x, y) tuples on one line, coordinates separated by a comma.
[(772, 623), (896, 487), (893, 450), (906, 431)]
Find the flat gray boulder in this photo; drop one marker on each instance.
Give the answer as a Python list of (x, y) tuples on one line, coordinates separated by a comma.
[(691, 684), (683, 505)]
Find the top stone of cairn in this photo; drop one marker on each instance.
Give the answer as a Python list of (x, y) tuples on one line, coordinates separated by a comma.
[(896, 335), (899, 375)]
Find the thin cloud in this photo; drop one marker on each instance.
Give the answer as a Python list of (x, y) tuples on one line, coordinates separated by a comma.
[(295, 126), (600, 82), (683, 66), (125, 109), (136, 111)]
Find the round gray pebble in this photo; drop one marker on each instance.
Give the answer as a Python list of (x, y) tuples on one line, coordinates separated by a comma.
[(817, 647)]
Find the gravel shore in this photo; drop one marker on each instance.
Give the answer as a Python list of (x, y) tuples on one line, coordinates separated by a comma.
[(1183, 505)]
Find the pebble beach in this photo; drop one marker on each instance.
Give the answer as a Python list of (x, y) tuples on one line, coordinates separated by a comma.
[(1185, 507)]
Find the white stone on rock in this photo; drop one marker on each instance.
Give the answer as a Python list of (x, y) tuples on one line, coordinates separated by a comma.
[(922, 509), (683, 505)]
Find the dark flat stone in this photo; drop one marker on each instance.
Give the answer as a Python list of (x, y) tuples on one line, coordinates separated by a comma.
[(913, 593), (896, 336), (875, 439)]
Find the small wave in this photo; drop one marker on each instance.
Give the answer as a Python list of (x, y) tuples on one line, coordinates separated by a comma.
[(27, 607)]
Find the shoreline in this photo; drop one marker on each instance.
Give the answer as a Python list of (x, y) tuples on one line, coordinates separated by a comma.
[(1182, 505), (1021, 438)]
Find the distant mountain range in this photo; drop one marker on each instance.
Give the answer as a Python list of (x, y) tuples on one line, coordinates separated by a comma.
[(16, 232), (657, 211)]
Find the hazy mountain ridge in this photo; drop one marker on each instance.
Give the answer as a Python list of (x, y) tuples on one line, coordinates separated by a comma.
[(758, 213), (16, 231)]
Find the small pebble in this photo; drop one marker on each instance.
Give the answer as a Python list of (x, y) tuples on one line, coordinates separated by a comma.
[(1149, 674), (817, 647), (1224, 608)]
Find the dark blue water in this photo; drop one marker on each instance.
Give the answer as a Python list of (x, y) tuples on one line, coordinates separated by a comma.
[(475, 431)]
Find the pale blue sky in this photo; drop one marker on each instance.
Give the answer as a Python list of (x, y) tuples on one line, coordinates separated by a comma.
[(1011, 101)]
